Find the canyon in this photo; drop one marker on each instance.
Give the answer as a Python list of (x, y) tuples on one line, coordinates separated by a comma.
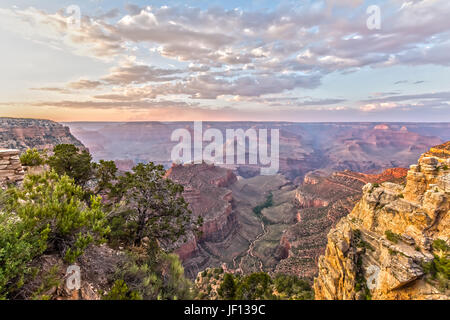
[(323, 170), (321, 201), (225, 202), (304, 147), (384, 248), (287, 236)]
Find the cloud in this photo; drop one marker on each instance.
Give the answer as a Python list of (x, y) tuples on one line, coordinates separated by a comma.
[(288, 101), (217, 36), (218, 53), (84, 84), (422, 101), (211, 87), (53, 89), (130, 73), (129, 105), (110, 14), (435, 96)]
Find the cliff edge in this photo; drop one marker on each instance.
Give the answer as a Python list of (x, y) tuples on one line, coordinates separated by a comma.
[(22, 134), (395, 242)]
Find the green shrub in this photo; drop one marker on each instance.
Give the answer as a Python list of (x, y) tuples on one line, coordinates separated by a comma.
[(19, 245), (69, 160), (440, 245), (360, 243), (55, 206), (292, 287), (391, 236), (105, 174), (227, 289), (152, 206), (50, 280), (255, 287), (120, 291), (392, 252), (156, 276), (438, 269), (258, 209), (31, 158)]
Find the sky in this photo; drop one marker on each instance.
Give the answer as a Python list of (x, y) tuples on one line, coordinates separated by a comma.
[(312, 60)]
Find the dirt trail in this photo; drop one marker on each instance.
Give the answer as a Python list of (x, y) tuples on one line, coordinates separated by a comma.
[(249, 252)]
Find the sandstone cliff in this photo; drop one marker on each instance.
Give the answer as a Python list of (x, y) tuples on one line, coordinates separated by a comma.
[(205, 189), (394, 244), (321, 202), (22, 134)]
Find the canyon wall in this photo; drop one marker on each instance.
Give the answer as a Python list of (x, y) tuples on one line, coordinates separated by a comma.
[(304, 147), (233, 236), (22, 134), (395, 242), (207, 193), (321, 202)]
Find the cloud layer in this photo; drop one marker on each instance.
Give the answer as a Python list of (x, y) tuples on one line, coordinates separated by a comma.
[(186, 56)]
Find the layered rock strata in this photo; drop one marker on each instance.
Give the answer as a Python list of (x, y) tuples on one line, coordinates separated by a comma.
[(321, 202), (206, 192), (11, 170), (385, 247), (22, 134)]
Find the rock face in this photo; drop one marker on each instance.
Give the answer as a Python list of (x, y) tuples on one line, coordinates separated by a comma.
[(205, 189), (321, 202), (22, 134), (11, 170), (382, 248)]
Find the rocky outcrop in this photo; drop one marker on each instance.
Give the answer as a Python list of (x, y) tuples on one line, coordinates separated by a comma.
[(22, 134), (11, 170), (321, 203), (381, 250)]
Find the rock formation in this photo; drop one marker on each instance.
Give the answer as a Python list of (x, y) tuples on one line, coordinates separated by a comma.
[(205, 189), (232, 232), (392, 243), (11, 170), (22, 134), (321, 202)]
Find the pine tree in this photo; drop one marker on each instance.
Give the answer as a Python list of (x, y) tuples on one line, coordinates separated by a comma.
[(227, 289), (68, 160), (153, 206)]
